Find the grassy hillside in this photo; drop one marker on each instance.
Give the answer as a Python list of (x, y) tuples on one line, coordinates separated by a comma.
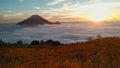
[(99, 53)]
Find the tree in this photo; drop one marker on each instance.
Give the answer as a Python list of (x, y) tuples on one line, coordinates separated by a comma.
[(19, 43), (90, 38), (1, 42), (42, 42), (51, 42), (35, 42), (99, 36)]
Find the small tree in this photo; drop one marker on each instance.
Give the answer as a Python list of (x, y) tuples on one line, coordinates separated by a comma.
[(35, 42), (1, 42), (42, 42), (90, 38), (19, 43), (99, 36), (56, 43), (51, 42)]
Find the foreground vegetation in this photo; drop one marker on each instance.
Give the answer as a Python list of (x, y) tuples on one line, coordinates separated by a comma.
[(98, 53)]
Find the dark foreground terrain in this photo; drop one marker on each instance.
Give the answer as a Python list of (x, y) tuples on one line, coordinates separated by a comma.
[(98, 53)]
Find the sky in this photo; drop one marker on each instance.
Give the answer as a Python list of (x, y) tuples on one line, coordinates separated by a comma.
[(13, 11)]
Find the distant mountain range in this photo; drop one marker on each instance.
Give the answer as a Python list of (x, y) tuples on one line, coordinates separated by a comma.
[(35, 20)]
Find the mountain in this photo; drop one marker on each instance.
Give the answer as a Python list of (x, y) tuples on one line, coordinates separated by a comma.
[(35, 20), (57, 22)]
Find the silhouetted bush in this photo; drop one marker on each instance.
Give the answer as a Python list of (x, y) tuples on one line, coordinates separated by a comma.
[(90, 38), (51, 42), (35, 42), (2, 43), (19, 43), (99, 36), (42, 42)]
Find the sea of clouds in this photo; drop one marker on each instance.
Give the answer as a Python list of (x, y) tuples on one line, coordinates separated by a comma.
[(64, 32)]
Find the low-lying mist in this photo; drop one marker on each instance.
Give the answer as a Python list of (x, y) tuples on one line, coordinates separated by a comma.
[(64, 32)]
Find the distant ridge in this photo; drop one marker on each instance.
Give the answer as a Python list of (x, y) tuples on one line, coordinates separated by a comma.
[(35, 20)]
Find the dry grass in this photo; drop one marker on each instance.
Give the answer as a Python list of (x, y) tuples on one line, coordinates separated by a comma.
[(99, 53)]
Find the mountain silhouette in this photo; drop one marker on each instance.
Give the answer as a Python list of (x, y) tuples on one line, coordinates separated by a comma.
[(35, 20)]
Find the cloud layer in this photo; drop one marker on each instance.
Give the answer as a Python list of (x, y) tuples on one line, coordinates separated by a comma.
[(64, 32)]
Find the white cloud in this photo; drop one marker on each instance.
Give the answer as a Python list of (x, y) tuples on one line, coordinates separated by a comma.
[(21, 0), (65, 10), (12, 15), (55, 2), (37, 8), (18, 14), (79, 10)]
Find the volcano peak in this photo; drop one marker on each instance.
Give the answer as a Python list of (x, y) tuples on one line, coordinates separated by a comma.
[(34, 20)]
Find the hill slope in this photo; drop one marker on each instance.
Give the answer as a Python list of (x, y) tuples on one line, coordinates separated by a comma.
[(99, 53)]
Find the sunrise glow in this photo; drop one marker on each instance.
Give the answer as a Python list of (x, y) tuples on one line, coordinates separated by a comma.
[(60, 10), (59, 33), (99, 16)]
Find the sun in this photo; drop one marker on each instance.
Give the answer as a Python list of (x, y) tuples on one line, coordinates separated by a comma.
[(99, 16)]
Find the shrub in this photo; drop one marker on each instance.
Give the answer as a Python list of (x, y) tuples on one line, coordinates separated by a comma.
[(35, 42), (90, 38), (99, 36), (19, 43), (42, 42), (51, 42)]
